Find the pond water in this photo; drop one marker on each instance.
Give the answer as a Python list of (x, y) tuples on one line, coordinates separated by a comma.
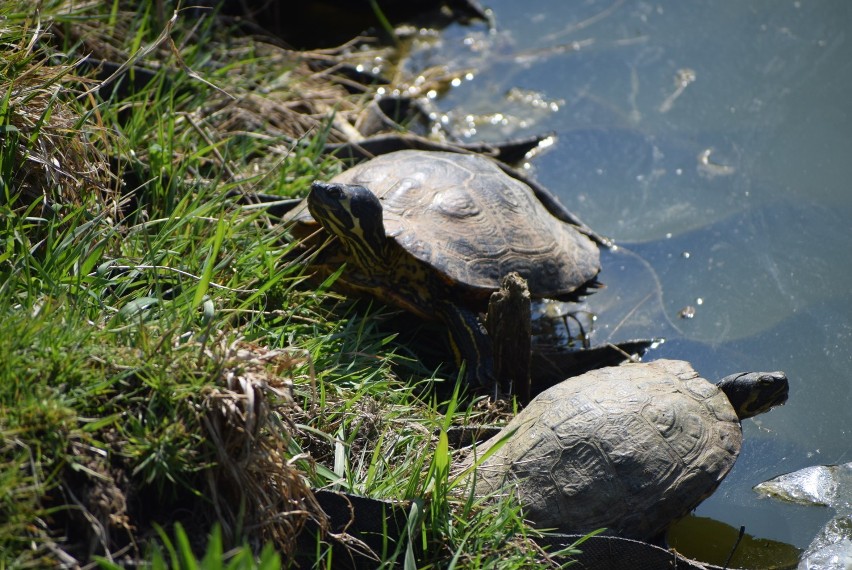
[(713, 140)]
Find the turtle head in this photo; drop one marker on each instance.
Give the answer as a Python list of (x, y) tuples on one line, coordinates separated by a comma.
[(752, 393), (353, 214)]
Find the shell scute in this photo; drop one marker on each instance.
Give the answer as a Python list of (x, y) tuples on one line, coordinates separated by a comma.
[(700, 388)]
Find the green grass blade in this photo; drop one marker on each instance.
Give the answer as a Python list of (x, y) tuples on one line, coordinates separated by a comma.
[(210, 263)]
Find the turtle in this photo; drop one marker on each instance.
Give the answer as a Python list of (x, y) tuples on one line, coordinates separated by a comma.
[(434, 233), (628, 448), (826, 485)]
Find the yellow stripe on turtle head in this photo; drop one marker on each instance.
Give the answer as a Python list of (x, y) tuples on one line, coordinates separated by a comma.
[(354, 214)]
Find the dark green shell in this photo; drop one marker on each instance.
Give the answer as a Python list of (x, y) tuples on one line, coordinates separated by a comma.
[(468, 220)]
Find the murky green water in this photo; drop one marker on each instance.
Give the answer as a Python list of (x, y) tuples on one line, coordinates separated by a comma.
[(713, 139)]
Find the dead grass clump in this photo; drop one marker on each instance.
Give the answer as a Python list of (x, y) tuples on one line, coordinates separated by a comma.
[(254, 487), (46, 151)]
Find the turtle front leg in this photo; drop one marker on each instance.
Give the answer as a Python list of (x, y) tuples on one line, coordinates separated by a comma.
[(471, 345), (509, 327)]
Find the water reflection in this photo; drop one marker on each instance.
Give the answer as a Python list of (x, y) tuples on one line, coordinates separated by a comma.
[(752, 269), (717, 130)]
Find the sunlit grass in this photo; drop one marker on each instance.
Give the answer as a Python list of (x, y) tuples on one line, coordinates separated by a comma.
[(168, 380)]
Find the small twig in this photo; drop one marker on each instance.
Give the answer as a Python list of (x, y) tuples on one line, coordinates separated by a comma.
[(165, 35), (624, 353), (605, 13), (183, 65), (213, 147)]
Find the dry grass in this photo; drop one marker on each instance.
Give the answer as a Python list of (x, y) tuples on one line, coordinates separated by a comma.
[(46, 135), (257, 485)]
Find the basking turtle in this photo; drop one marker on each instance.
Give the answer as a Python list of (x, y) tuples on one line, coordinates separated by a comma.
[(628, 448), (434, 233), (828, 485)]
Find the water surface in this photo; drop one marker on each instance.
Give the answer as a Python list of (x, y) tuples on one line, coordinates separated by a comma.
[(714, 140)]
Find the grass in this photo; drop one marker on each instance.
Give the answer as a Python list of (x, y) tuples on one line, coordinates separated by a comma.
[(170, 387)]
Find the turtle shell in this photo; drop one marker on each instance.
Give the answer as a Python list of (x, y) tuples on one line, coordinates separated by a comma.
[(466, 218), (629, 448)]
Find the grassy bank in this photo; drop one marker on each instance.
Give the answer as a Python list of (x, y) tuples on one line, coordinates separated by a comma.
[(170, 388)]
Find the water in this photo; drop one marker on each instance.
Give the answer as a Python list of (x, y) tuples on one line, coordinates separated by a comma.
[(714, 140)]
